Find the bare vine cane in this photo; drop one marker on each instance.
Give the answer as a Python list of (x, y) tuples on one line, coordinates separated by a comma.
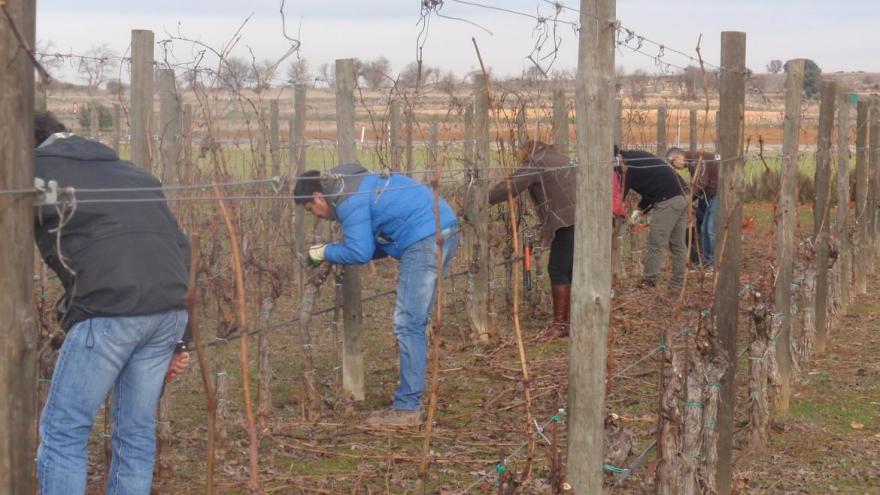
[(436, 336), (243, 328), (312, 402), (210, 402), (511, 201)]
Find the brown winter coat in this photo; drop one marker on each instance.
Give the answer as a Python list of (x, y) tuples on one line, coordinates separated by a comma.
[(547, 176), (707, 179)]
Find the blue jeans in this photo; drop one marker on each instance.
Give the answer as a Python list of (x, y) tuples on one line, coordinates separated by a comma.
[(130, 354), (416, 284), (707, 231)]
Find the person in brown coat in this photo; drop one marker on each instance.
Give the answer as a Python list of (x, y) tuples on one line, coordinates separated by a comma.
[(703, 168), (549, 178)]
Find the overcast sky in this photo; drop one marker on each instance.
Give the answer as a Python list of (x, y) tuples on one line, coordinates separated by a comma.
[(840, 35)]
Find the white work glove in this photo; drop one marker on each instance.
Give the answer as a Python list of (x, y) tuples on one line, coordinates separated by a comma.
[(635, 217), (316, 254)]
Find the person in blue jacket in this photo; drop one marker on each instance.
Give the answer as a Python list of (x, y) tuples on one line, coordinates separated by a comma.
[(387, 214)]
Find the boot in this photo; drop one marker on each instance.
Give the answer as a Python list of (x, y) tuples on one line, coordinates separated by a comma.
[(558, 328)]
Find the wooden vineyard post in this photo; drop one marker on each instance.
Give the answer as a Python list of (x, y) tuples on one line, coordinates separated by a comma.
[(433, 158), (661, 132), (591, 285), (479, 276), (409, 119), (117, 127), (141, 114), (274, 138), (169, 127), (94, 120), (730, 186), (352, 347), (560, 121), (821, 211), (692, 132), (860, 257), (618, 122), (874, 174), (394, 134), (843, 224), (786, 222), (18, 370)]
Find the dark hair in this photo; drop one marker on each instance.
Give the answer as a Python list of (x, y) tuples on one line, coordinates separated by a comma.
[(307, 184), (45, 124)]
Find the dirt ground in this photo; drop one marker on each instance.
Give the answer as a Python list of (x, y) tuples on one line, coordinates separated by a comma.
[(827, 443)]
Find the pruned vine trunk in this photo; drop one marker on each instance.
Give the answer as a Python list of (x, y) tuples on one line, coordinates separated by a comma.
[(312, 400), (264, 372), (760, 346), (671, 468)]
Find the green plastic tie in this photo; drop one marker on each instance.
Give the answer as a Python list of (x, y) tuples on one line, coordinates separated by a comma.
[(693, 404), (554, 419), (612, 469), (710, 423), (500, 469), (714, 384), (687, 330)]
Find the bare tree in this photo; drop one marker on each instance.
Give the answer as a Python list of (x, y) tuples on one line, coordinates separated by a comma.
[(261, 74), (327, 74), (637, 83), (447, 83), (375, 73), (95, 65), (234, 74), (774, 66), (690, 81), (409, 76), (298, 71)]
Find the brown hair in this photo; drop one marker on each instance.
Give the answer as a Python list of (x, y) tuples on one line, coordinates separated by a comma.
[(530, 147)]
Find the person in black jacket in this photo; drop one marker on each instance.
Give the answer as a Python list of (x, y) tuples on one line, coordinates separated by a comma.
[(664, 194), (124, 263)]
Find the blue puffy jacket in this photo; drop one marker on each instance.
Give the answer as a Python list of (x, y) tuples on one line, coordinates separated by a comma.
[(384, 216)]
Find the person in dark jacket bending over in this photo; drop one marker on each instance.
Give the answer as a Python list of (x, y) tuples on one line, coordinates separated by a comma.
[(703, 168), (387, 215), (549, 178), (124, 268), (663, 194)]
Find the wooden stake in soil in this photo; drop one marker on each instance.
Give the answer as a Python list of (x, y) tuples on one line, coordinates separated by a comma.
[(478, 217), (843, 224), (730, 180), (591, 285), (560, 121), (860, 255), (661, 131), (169, 127), (352, 348), (692, 134), (141, 114), (18, 371), (821, 211), (786, 221)]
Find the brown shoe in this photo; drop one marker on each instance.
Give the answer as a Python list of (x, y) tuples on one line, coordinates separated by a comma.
[(558, 327), (395, 418)]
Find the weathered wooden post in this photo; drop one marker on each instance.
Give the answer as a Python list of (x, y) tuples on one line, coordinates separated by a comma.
[(433, 157), (860, 256), (352, 348), (169, 127), (479, 276), (117, 127), (730, 186), (409, 118), (591, 287), (843, 225), (522, 131), (661, 131), (141, 113), (18, 378), (874, 173), (786, 222), (274, 138), (94, 116), (560, 121), (186, 130), (469, 135), (394, 134), (872, 197), (618, 122), (692, 130), (821, 211)]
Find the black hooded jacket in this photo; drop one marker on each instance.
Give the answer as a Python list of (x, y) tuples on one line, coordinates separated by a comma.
[(125, 257)]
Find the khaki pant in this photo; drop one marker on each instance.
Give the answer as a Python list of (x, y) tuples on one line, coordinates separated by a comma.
[(668, 227)]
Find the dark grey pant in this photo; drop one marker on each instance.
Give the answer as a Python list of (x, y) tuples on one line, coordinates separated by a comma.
[(668, 228)]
